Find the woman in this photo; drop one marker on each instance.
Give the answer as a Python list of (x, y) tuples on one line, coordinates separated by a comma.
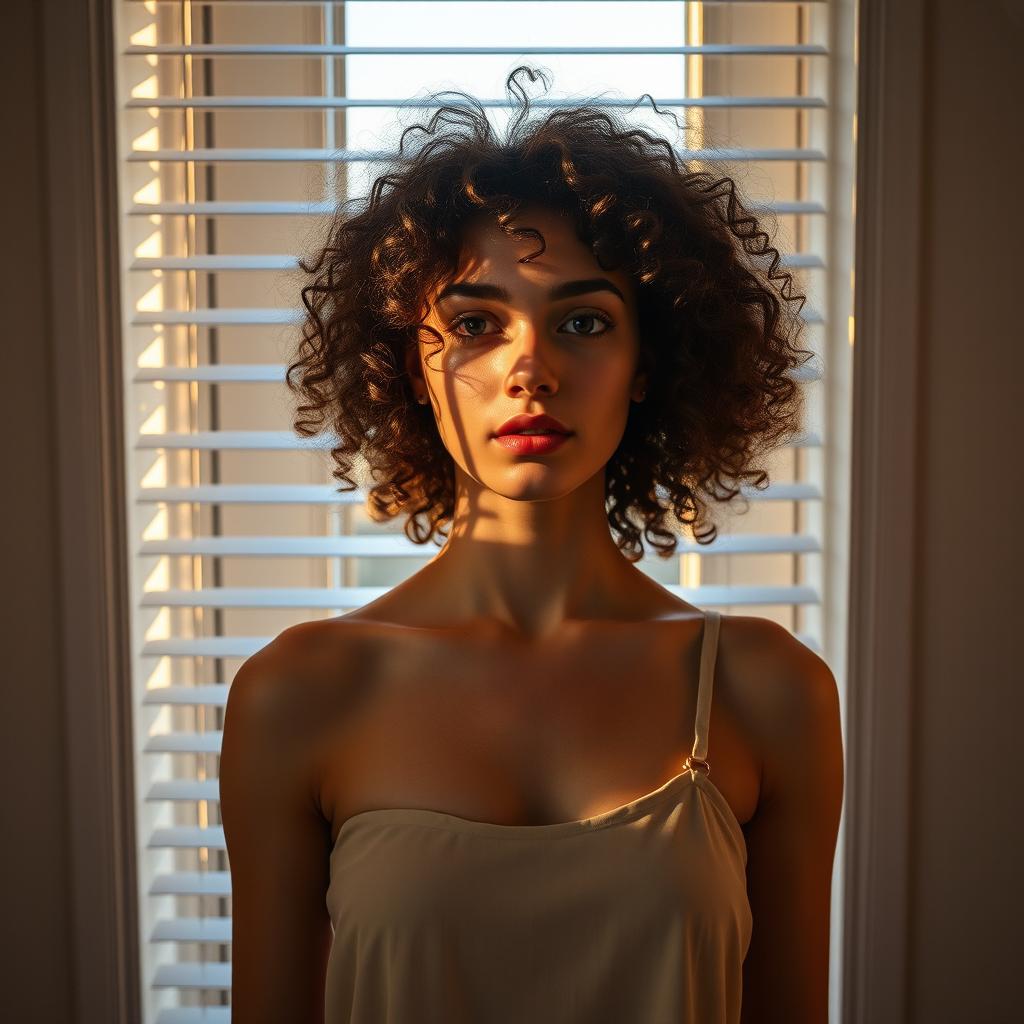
[(487, 796)]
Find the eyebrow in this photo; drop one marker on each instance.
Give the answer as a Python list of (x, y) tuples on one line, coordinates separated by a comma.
[(565, 290)]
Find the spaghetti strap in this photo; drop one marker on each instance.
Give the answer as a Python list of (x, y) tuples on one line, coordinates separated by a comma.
[(708, 651)]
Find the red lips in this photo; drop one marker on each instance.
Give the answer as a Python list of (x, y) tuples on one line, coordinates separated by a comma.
[(522, 422)]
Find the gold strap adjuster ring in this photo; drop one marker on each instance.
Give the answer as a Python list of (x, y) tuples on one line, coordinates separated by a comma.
[(696, 764)]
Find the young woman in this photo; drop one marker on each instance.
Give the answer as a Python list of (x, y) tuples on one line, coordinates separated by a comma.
[(487, 797)]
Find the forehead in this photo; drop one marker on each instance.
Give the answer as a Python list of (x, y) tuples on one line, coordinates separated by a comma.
[(487, 254)]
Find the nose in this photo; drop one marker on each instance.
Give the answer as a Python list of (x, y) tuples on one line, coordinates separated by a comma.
[(530, 371), (531, 389)]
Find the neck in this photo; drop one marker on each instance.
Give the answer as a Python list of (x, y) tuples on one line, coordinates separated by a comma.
[(535, 566)]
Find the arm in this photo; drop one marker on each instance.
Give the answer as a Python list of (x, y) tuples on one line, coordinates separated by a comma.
[(791, 838), (278, 847)]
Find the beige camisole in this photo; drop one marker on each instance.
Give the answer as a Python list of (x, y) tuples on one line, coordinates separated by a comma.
[(638, 915)]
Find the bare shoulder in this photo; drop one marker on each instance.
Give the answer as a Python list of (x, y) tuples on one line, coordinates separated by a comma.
[(269, 681), (289, 689), (276, 834), (790, 703), (783, 692), (299, 656)]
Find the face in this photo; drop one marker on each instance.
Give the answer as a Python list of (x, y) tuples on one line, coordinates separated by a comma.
[(528, 338)]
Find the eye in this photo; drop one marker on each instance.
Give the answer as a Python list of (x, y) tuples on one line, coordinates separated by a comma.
[(603, 318), (465, 318)]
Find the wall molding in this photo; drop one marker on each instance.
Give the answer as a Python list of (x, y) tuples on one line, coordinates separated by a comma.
[(92, 626), (884, 510)]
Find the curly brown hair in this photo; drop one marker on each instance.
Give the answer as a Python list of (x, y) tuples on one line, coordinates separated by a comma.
[(717, 320)]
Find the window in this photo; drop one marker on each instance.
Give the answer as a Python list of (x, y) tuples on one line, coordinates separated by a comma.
[(241, 124)]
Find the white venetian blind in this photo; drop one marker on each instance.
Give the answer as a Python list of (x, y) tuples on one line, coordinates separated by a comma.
[(241, 125)]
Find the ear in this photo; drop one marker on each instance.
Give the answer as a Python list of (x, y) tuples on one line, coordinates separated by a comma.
[(639, 389), (412, 364)]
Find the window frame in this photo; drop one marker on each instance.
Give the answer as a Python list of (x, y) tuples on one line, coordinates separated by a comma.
[(77, 55)]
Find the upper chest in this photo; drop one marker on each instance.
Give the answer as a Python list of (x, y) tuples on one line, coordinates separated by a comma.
[(489, 729)]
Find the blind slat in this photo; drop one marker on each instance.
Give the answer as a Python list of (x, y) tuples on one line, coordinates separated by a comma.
[(195, 1014), (237, 373), (183, 743), (192, 929), (219, 317), (191, 883), (345, 50), (345, 102), (261, 373), (284, 154), (396, 546), (353, 597), (324, 494), (237, 440), (282, 261), (204, 646), (187, 837), (223, 261), (184, 790), (283, 440), (226, 317), (212, 695), (210, 975), (262, 208)]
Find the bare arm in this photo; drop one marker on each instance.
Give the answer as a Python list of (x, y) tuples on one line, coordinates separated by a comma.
[(791, 839), (278, 847)]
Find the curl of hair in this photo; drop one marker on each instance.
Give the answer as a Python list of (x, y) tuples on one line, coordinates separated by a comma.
[(717, 319)]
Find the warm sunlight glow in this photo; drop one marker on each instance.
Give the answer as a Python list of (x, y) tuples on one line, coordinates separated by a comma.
[(153, 354), (151, 245), (850, 330), (156, 422), (146, 89), (159, 577), (161, 674), (160, 627), (161, 723), (156, 475), (148, 141), (690, 573), (157, 527), (146, 36), (152, 300), (149, 193), (693, 65)]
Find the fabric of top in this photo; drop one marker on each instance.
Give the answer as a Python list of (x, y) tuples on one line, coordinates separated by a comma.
[(638, 915)]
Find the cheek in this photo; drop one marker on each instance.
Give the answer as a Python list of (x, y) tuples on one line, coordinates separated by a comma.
[(607, 385), (462, 414)]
